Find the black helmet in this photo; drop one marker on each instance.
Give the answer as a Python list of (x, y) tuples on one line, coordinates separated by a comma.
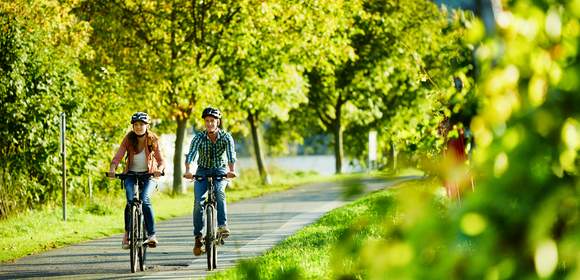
[(209, 111), (140, 116)]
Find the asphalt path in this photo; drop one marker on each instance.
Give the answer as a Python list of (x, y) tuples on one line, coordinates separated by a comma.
[(256, 224)]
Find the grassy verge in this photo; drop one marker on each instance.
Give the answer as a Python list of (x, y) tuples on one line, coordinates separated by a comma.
[(320, 251), (43, 229)]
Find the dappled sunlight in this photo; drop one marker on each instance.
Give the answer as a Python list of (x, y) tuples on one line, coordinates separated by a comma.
[(501, 164), (537, 91), (473, 224), (546, 258)]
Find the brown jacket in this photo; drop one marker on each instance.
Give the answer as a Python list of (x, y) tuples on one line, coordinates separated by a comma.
[(152, 154)]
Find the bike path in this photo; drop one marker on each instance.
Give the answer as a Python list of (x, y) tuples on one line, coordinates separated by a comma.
[(256, 224)]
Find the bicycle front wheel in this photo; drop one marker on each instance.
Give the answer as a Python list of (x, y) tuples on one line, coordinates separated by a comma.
[(134, 236), (142, 247), (210, 236)]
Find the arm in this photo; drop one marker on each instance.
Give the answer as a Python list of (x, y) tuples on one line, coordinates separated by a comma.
[(191, 155), (159, 160), (231, 155), (118, 156)]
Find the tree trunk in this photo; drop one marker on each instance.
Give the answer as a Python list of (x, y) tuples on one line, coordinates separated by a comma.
[(178, 187), (338, 151), (394, 156), (257, 149), (3, 204), (337, 129)]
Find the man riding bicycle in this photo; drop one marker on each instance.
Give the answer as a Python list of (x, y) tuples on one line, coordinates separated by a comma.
[(210, 146)]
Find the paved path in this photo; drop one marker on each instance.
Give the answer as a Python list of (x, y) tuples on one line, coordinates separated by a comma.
[(256, 224)]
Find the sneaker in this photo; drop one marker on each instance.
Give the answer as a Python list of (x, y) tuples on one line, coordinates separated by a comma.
[(125, 244), (224, 231), (197, 249), (152, 241)]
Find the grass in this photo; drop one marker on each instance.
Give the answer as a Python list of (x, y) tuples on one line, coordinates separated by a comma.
[(43, 229), (326, 249)]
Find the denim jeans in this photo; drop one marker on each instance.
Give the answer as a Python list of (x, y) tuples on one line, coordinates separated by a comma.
[(145, 188), (200, 189)]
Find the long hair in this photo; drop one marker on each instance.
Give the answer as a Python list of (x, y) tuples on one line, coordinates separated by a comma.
[(152, 141)]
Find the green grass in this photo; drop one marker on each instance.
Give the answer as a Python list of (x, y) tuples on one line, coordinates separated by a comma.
[(327, 248), (43, 229)]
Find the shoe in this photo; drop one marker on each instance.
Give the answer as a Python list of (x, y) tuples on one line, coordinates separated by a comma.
[(125, 244), (197, 249), (224, 231), (152, 241)]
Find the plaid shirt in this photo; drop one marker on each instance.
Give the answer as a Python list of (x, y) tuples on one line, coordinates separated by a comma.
[(211, 154)]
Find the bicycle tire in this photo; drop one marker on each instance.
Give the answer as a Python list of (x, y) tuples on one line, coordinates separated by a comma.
[(134, 237), (214, 255), (214, 242), (209, 237), (142, 247)]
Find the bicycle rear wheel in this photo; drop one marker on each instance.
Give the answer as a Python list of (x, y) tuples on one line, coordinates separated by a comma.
[(142, 247), (210, 237), (134, 236)]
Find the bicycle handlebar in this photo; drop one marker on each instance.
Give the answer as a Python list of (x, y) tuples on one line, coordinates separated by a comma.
[(125, 175), (201, 177)]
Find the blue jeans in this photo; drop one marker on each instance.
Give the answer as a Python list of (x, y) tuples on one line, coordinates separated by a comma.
[(200, 189), (145, 188)]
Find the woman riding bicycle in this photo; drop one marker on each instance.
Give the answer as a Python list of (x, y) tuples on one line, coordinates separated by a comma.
[(211, 145), (142, 147)]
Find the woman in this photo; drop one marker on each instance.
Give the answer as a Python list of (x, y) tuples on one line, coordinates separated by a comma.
[(211, 145), (142, 147)]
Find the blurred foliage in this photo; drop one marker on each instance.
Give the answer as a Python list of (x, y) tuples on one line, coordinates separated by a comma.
[(523, 220)]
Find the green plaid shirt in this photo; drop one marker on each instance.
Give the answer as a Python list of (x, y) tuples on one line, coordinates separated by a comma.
[(211, 154)]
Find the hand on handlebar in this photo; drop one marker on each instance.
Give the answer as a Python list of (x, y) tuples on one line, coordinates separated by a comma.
[(111, 175), (188, 175), (156, 174), (231, 175)]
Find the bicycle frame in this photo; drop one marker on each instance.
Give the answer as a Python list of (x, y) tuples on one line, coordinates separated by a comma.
[(137, 235), (212, 238)]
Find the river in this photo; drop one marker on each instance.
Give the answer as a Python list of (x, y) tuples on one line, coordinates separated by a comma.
[(322, 164)]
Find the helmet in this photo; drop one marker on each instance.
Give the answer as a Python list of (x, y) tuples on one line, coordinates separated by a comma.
[(209, 111), (140, 116)]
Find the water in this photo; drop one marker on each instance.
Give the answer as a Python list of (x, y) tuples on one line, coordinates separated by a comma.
[(322, 164)]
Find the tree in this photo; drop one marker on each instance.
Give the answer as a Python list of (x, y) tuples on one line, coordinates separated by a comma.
[(263, 73), (169, 52), (40, 77), (397, 76)]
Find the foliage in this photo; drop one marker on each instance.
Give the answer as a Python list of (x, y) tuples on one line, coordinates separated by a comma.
[(397, 79), (527, 155), (40, 77), (263, 71), (411, 68), (522, 221)]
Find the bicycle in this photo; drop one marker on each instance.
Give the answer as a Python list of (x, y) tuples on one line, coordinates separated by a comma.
[(137, 234), (212, 237)]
